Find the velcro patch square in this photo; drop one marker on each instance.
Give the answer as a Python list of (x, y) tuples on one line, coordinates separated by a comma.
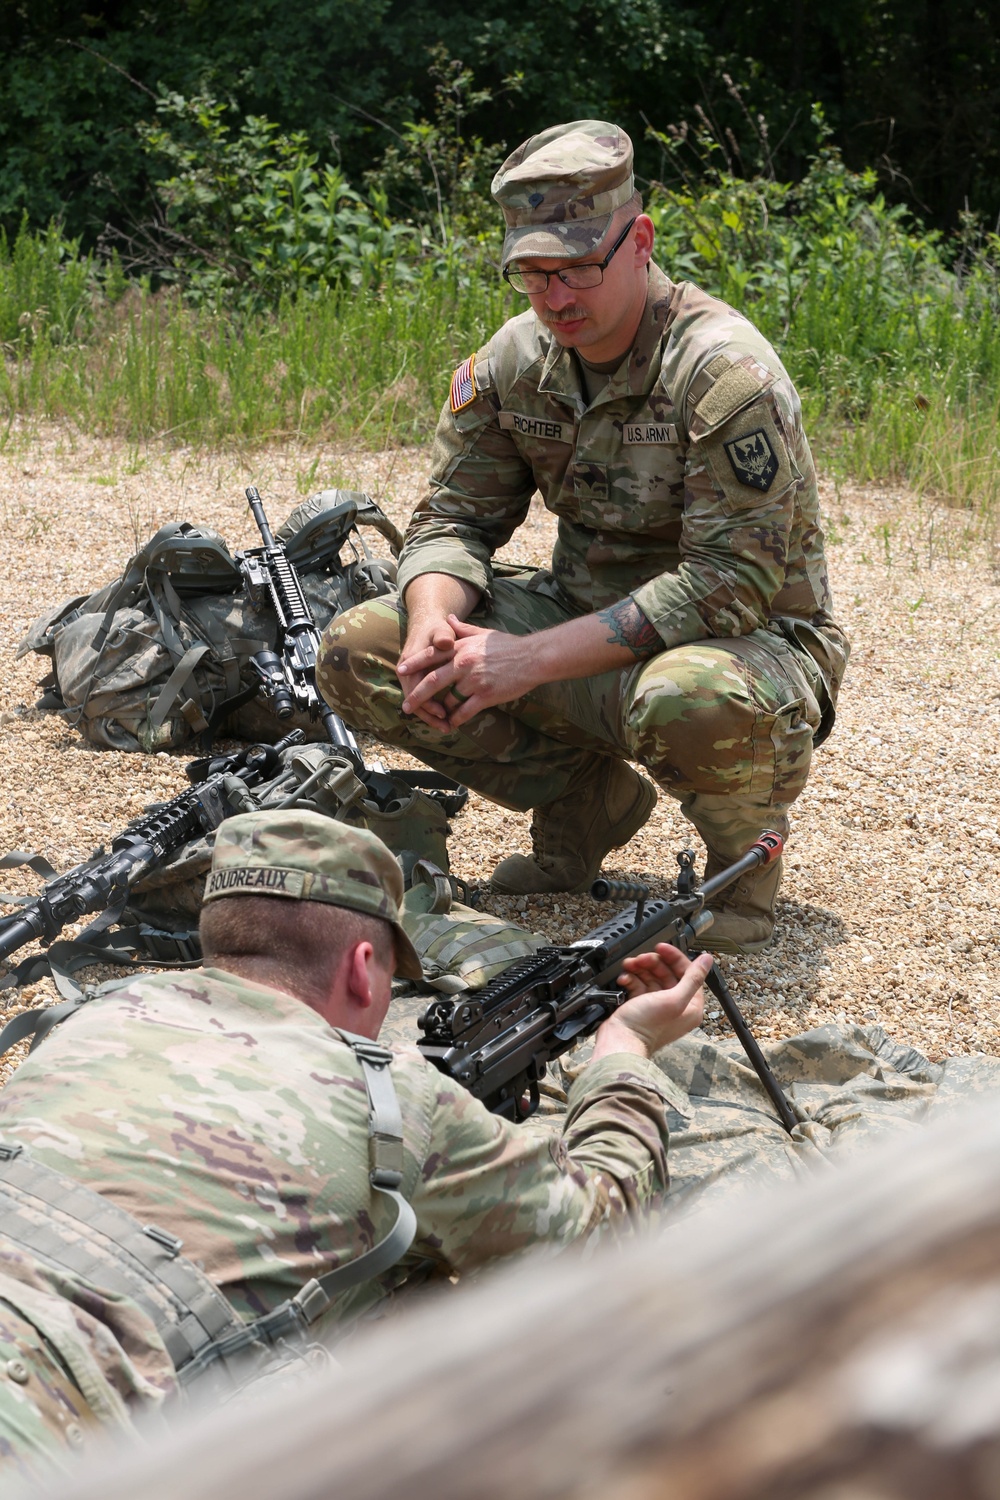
[(463, 385), (753, 460)]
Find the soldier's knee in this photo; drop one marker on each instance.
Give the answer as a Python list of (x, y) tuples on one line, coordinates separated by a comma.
[(358, 654), (707, 719)]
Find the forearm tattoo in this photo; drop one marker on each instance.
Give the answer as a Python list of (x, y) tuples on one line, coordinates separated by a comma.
[(630, 627)]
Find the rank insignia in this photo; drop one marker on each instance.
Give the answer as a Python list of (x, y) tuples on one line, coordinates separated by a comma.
[(753, 459), (463, 385)]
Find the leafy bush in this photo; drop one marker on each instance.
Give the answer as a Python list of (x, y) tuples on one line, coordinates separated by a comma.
[(249, 215), (877, 317), (295, 303)]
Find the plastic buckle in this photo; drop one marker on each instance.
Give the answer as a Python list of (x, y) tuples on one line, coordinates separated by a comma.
[(379, 1057), (8, 1152), (311, 1301)]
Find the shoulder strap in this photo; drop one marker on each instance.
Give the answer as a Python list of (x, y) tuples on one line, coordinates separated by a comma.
[(66, 1224)]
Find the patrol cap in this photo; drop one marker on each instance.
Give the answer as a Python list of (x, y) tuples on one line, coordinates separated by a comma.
[(559, 189), (305, 856)]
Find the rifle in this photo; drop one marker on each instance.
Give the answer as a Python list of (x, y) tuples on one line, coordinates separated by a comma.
[(288, 680), (498, 1041), (103, 882)]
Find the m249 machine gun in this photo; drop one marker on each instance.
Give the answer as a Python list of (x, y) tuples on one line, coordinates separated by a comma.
[(498, 1041)]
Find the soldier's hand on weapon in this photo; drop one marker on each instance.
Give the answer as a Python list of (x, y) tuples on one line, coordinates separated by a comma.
[(666, 1002)]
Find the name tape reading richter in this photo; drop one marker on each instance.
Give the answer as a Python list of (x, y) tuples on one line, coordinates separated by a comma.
[(537, 427), (269, 881)]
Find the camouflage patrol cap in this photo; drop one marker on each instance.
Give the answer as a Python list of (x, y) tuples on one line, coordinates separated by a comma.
[(559, 189), (309, 857)]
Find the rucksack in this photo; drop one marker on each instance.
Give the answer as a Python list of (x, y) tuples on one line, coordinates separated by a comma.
[(161, 655)]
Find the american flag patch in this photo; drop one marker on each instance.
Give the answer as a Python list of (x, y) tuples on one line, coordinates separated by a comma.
[(463, 386)]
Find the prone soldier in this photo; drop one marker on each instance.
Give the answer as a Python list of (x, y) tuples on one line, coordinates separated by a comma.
[(192, 1156), (685, 622)]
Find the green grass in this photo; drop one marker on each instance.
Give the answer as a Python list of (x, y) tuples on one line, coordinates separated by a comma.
[(896, 355), (374, 367)]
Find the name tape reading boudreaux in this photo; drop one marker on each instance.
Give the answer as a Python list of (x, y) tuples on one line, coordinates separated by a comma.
[(269, 881)]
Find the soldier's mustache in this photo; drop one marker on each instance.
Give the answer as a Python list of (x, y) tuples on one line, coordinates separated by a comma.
[(568, 315)]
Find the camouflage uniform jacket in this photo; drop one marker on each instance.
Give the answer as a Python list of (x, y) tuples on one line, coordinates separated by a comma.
[(235, 1118), (688, 483)]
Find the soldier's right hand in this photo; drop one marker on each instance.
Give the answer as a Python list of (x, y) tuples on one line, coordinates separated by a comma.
[(429, 643), (667, 1001)]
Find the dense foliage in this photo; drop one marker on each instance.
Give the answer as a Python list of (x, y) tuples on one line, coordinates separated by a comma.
[(291, 302), (914, 89)]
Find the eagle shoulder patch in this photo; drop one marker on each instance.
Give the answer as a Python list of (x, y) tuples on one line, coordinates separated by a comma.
[(753, 460), (463, 385)]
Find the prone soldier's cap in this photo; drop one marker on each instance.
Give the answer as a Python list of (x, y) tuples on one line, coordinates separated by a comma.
[(305, 856), (559, 189)]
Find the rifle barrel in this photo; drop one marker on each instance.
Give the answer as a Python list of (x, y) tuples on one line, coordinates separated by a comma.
[(15, 932), (257, 506), (766, 849)]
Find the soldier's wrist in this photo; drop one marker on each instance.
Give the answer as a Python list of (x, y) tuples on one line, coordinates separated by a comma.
[(615, 1036)]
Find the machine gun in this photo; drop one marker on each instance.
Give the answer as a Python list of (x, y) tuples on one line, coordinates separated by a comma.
[(498, 1041), (103, 882)]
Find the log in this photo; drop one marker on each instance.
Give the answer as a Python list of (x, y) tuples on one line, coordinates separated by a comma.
[(837, 1339)]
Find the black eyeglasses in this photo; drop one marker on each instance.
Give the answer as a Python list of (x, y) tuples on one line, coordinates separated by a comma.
[(591, 273)]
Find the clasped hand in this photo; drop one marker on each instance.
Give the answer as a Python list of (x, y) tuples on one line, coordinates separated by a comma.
[(454, 670)]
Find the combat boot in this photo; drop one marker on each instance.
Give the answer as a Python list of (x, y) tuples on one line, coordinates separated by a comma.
[(571, 836), (744, 913)]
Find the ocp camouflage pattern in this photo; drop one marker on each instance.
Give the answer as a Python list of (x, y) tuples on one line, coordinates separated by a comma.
[(559, 189), (645, 482), (74, 1359), (648, 501), (234, 1117)]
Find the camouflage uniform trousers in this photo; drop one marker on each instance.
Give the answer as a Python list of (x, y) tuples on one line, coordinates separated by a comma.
[(725, 726)]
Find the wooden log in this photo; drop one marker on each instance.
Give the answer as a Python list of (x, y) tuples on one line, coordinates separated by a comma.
[(836, 1340)]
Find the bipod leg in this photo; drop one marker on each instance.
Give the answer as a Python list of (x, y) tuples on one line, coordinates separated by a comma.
[(748, 1042)]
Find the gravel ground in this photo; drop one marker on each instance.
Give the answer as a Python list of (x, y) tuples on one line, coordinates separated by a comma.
[(889, 907)]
